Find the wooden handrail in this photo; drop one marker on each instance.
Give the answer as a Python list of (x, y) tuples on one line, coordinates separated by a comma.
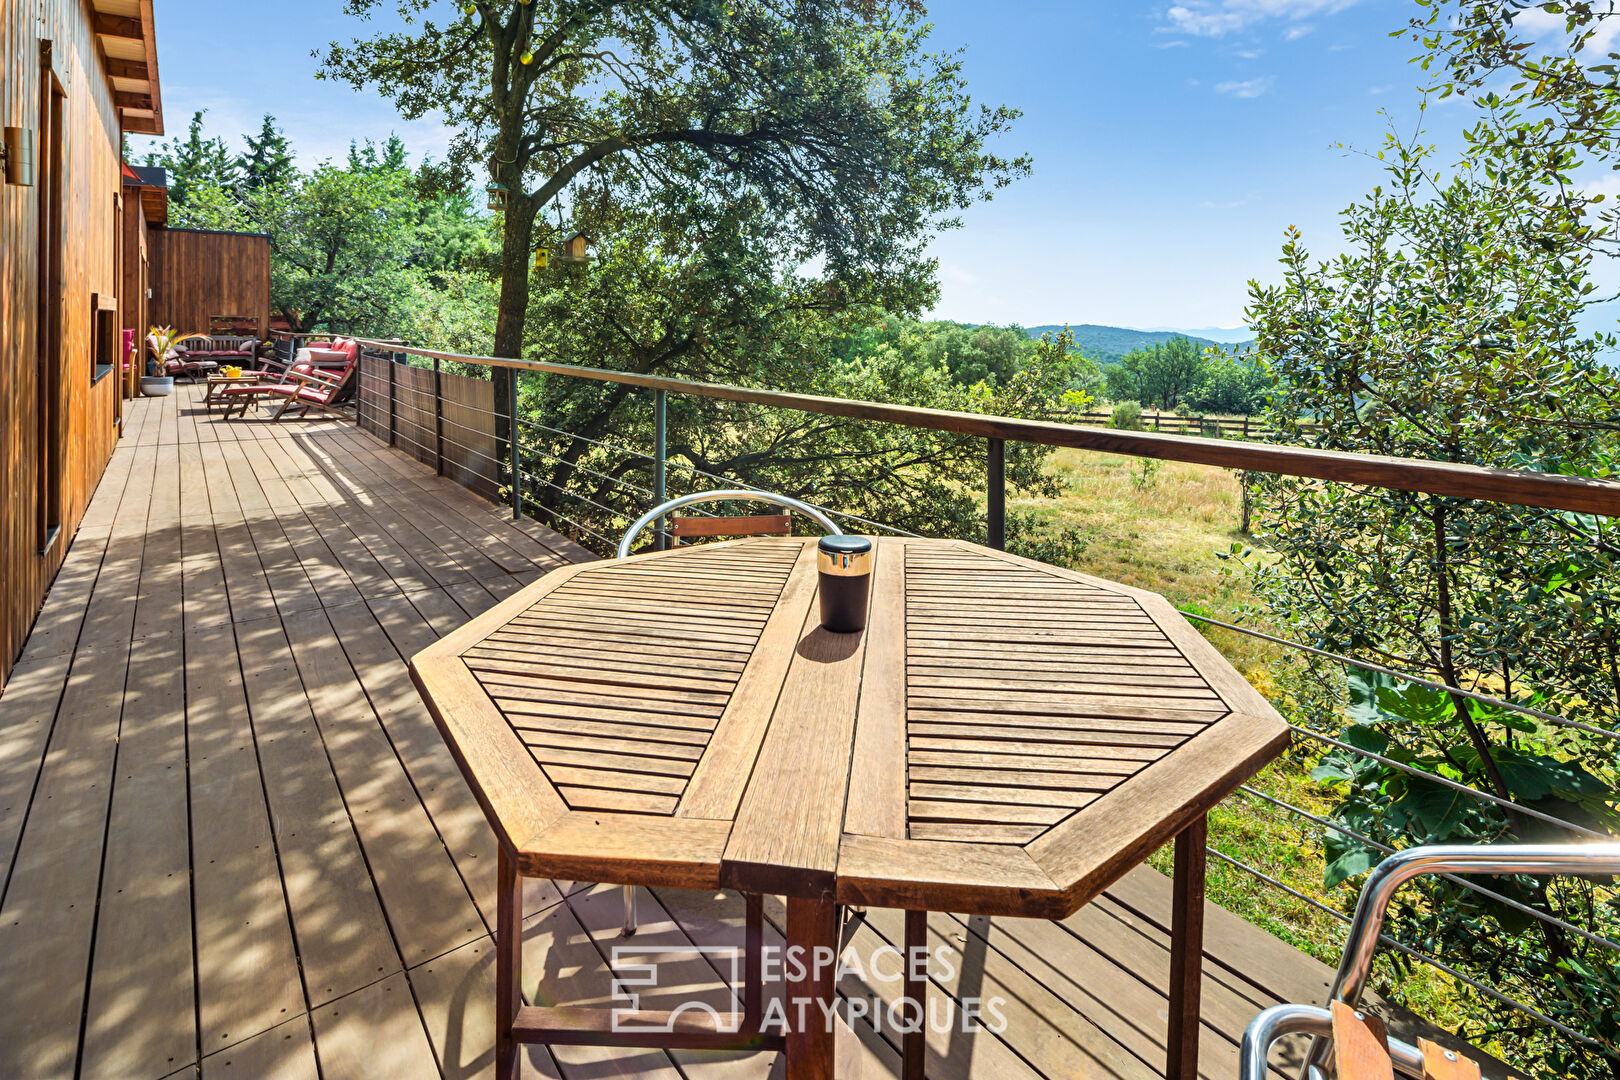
[(1521, 487)]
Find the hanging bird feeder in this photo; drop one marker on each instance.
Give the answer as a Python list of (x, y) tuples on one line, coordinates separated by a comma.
[(576, 249), (498, 193)]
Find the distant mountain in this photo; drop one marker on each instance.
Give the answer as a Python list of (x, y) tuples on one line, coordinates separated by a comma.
[(1106, 344), (1229, 335)]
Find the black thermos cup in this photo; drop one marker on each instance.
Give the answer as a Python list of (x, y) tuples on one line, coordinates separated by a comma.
[(845, 565)]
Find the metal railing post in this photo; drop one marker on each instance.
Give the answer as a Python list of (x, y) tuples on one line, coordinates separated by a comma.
[(996, 495), (660, 455), (512, 442), (391, 411), (438, 415)]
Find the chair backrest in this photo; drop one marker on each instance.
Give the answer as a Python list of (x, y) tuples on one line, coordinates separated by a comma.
[(663, 510), (759, 525)]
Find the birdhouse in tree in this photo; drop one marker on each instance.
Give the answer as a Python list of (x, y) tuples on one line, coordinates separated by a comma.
[(498, 194), (542, 259), (576, 249)]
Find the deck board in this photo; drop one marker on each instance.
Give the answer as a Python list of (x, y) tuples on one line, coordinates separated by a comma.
[(212, 727)]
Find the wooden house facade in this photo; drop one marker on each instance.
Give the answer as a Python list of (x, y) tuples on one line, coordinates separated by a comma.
[(79, 74)]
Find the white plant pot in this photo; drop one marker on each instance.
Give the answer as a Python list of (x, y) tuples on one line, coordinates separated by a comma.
[(157, 385)]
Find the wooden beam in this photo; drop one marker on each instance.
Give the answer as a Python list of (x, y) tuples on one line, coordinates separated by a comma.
[(126, 69), (119, 26), (149, 20), (125, 101)]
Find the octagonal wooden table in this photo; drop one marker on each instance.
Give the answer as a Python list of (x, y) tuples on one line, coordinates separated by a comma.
[(1005, 738)]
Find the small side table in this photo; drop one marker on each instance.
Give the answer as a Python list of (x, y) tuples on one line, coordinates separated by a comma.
[(217, 382)]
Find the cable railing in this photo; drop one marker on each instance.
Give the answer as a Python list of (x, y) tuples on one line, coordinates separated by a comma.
[(503, 461)]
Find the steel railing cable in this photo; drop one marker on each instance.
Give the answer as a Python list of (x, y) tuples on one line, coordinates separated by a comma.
[(1453, 785), (1422, 957), (1328, 823), (1484, 699)]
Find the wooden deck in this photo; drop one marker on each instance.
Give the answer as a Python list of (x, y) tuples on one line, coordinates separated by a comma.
[(234, 845)]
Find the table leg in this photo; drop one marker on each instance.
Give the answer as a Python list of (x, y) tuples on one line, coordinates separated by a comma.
[(811, 925), (753, 961), (1186, 952), (914, 1044), (508, 964)]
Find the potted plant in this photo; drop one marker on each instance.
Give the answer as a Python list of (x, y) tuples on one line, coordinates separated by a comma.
[(161, 341)]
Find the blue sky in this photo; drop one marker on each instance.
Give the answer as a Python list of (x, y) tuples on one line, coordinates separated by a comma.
[(1173, 142)]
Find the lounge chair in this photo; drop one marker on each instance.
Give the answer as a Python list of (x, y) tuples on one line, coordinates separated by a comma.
[(306, 384)]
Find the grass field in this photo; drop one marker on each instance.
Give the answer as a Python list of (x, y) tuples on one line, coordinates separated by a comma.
[(1161, 527)]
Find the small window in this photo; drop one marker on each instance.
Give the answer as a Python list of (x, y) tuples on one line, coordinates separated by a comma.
[(104, 337)]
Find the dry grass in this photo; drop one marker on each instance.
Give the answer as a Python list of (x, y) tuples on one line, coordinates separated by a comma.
[(1162, 527)]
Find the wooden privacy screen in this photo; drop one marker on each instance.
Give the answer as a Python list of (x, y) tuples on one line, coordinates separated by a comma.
[(397, 404), (198, 277)]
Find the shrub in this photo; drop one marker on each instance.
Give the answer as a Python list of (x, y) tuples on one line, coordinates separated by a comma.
[(1127, 416)]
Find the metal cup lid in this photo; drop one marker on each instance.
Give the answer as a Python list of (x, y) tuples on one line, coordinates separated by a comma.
[(845, 544)]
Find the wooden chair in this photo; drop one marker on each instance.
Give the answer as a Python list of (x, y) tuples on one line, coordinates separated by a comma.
[(691, 527), (1357, 1043)]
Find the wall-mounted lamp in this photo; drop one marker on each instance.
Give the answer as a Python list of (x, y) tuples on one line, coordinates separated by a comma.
[(19, 155)]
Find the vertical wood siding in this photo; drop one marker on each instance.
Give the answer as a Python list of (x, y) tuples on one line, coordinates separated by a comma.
[(90, 187)]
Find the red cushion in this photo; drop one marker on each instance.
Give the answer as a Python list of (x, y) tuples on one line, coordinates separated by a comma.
[(349, 347)]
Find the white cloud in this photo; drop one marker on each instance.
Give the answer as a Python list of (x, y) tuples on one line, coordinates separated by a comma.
[(1294, 33), (1217, 18), (1248, 88), (1541, 26)]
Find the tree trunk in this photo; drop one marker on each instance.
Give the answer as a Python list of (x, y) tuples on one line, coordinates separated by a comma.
[(512, 311)]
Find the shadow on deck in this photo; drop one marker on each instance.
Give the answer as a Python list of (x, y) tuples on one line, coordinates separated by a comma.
[(234, 845)]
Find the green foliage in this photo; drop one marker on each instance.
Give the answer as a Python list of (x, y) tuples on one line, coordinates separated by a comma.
[(339, 243), (1127, 416), (1230, 385), (817, 132), (644, 312), (1110, 344), (194, 163), (1159, 375), (1448, 330), (368, 246), (975, 354), (269, 160)]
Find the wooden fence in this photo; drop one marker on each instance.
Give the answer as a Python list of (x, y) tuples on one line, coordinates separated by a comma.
[(434, 417), (1213, 427)]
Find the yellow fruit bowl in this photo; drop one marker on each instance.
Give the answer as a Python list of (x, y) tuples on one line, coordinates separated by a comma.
[(233, 372)]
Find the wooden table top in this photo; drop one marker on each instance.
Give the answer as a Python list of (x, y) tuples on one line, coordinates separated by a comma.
[(1005, 738)]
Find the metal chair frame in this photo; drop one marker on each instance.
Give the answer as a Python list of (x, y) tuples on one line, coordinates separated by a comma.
[(1365, 928), (664, 508)]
